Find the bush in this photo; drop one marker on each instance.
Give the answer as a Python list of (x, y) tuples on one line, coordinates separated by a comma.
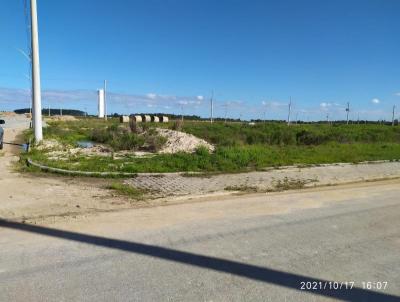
[(126, 141), (202, 151), (154, 143), (305, 137), (177, 126)]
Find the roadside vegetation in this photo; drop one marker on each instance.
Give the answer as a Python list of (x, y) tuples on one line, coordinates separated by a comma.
[(239, 146), (126, 190)]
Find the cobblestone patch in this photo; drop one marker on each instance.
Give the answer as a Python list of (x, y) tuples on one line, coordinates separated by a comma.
[(176, 184)]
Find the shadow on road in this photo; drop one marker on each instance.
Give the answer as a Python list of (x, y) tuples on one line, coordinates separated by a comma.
[(258, 273)]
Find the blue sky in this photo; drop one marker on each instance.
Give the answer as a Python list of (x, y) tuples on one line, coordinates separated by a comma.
[(163, 55)]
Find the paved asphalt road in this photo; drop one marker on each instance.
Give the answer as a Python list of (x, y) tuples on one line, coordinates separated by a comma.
[(246, 248)]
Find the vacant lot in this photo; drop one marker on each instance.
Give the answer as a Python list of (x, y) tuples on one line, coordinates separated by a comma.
[(238, 146)]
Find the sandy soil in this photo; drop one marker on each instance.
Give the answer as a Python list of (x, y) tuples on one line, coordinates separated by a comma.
[(178, 141), (40, 197)]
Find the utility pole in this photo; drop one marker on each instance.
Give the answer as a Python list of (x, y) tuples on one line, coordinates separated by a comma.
[(49, 110), (226, 112), (105, 103), (393, 112), (212, 107), (182, 113), (36, 94), (290, 109), (348, 111)]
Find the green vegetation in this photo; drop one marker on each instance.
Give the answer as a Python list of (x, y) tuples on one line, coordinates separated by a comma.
[(239, 146), (130, 191), (279, 186), (239, 134), (112, 133)]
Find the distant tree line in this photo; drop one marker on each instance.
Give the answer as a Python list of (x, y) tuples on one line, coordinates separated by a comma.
[(54, 111)]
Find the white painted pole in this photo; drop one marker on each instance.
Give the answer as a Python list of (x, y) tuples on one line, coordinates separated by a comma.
[(37, 101), (105, 103), (348, 111)]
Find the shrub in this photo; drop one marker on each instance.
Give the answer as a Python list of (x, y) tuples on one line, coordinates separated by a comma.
[(135, 127), (154, 143), (202, 151), (177, 126), (305, 137)]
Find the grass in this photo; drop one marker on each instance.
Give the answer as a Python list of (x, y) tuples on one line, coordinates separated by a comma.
[(126, 190), (239, 147), (278, 186), (117, 136)]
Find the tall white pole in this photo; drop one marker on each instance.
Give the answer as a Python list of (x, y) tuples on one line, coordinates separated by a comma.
[(37, 99), (290, 109), (105, 103), (348, 111)]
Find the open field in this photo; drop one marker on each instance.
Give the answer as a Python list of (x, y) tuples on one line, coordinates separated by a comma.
[(239, 146)]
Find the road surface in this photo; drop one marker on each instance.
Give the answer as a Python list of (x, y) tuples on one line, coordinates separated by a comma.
[(245, 248)]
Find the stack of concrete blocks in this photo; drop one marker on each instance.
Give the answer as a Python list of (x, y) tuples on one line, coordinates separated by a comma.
[(124, 119), (136, 118), (164, 119), (146, 118)]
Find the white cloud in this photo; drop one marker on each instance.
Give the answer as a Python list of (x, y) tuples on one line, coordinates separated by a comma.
[(375, 101), (397, 94), (151, 96), (200, 97), (325, 105)]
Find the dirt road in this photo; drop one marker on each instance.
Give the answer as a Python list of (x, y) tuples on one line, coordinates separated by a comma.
[(47, 198)]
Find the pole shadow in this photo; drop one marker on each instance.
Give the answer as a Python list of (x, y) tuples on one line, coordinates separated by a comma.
[(258, 273)]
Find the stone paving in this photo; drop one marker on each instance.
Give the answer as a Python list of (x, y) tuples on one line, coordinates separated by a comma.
[(176, 184)]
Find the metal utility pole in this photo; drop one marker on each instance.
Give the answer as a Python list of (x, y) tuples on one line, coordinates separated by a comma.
[(226, 112), (105, 103), (348, 111), (182, 113), (290, 109), (36, 94), (393, 112), (212, 107)]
